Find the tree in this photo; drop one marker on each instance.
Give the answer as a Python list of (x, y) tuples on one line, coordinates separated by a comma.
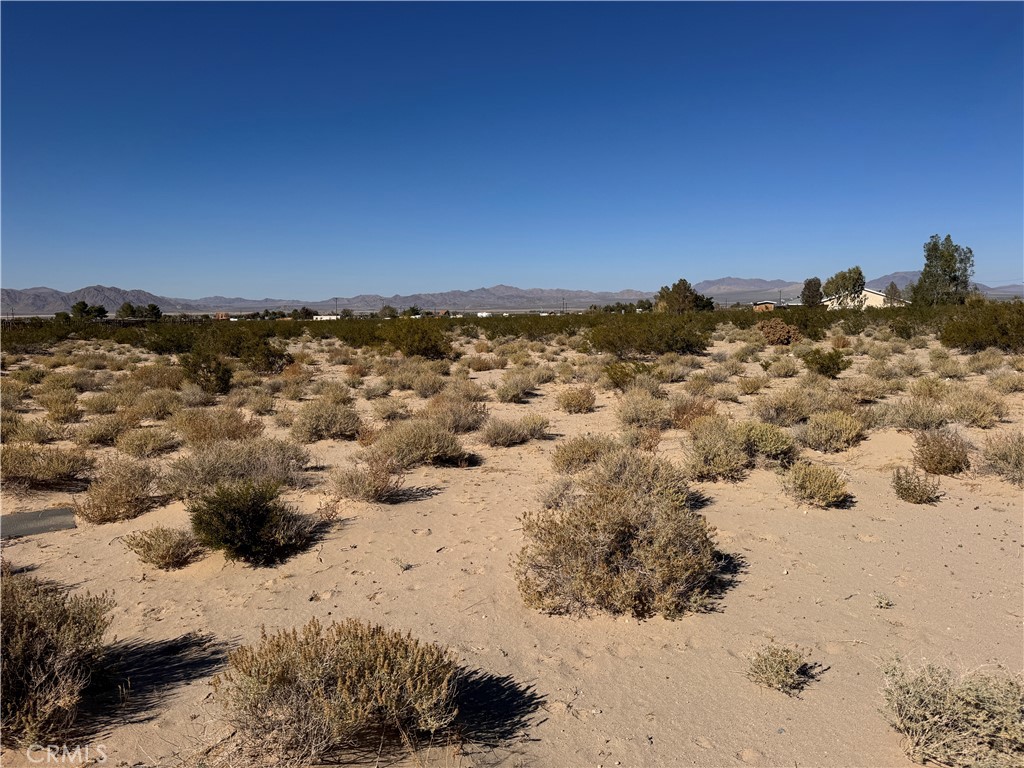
[(893, 295), (302, 314), (847, 288), (947, 273), (153, 312), (811, 296), (645, 305), (126, 310), (80, 310), (412, 311), (680, 298), (388, 311)]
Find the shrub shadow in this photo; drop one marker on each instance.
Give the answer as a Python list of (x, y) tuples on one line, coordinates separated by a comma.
[(494, 709), (730, 568), (413, 493)]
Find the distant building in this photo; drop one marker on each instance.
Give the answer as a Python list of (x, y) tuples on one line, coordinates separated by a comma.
[(221, 316), (483, 314), (764, 306), (325, 317), (867, 298)]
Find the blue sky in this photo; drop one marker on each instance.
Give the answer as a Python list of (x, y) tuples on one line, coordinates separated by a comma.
[(314, 150)]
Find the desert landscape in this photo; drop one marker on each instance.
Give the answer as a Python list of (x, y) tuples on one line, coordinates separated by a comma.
[(851, 509)]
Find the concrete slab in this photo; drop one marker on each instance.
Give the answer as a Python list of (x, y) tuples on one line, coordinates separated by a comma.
[(31, 523)]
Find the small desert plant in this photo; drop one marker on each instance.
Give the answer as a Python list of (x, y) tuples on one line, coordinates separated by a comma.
[(832, 431), (61, 405), (504, 433), (51, 644), (308, 695), (767, 443), (1004, 455), (639, 408), (780, 668), (248, 521), (147, 442), (157, 404), (164, 548), (199, 426), (390, 409), (783, 408), (322, 419), (816, 484), (915, 488), (977, 407), (224, 462), (940, 452), (38, 467), (194, 396), (716, 450), (376, 390), (578, 453), (122, 489), (456, 414), (783, 368), (577, 400), (685, 409), (829, 364), (956, 720), (379, 479), (917, 413), (104, 430), (776, 331), (100, 403), (751, 385), (419, 441), (516, 385)]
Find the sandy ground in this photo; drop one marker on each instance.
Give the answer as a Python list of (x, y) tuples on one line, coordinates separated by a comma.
[(600, 691)]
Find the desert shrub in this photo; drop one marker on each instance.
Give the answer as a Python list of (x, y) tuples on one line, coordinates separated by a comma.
[(416, 337), (334, 392), (956, 720), (832, 431), (1003, 454), (515, 386), (577, 399), (816, 484), (485, 363), (104, 430), (639, 408), (578, 453), (428, 383), (159, 376), (207, 371), (751, 385), (648, 334), (1006, 382), (194, 396), (780, 668), (16, 429), (256, 399), (122, 489), (949, 369), (100, 403), (322, 420), (990, 324), (940, 452), (699, 383), (977, 408), (929, 387), (641, 438), (419, 441), (248, 521), (862, 389), (829, 364), (623, 540), (40, 467), (376, 390), (61, 405), (915, 488), (455, 413), (783, 368), (164, 548), (767, 443), (199, 426), (312, 694), (684, 409), (223, 462), (147, 442), (390, 409), (502, 433), (378, 480), (717, 450), (52, 642), (13, 394), (776, 331), (917, 413), (784, 407), (465, 389)]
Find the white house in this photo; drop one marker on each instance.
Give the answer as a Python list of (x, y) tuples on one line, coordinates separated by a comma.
[(867, 298)]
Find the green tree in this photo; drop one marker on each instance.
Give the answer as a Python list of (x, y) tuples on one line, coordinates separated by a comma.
[(947, 273), (126, 310), (846, 288), (152, 312), (388, 311), (811, 296), (893, 295), (412, 311), (80, 310), (681, 298)]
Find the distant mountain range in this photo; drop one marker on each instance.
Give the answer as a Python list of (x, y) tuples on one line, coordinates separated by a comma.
[(47, 301)]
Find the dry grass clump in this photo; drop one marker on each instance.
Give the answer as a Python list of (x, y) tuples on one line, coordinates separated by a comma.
[(323, 420), (783, 368), (956, 720), (455, 413), (862, 389), (200, 426), (485, 363), (515, 386), (104, 430), (52, 642), (100, 403), (915, 488), (577, 399), (61, 405), (980, 408), (224, 462), (502, 433), (717, 450), (1006, 382), (310, 695), (157, 404), (376, 389), (949, 369), (38, 467), (622, 539), (380, 479), (639, 408), (334, 392), (685, 409), (122, 489), (164, 548), (194, 396), (464, 389), (1004, 455), (832, 431), (147, 442), (816, 484), (751, 385), (418, 441), (16, 429), (939, 452), (784, 408), (780, 668), (13, 394), (159, 376), (578, 453)]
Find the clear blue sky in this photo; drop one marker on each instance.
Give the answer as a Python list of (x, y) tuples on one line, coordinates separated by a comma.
[(314, 150)]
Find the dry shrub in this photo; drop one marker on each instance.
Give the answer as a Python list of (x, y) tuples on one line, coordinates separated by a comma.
[(100, 403), (378, 480), (1007, 382), (194, 396), (816, 484), (623, 539), (40, 467), (775, 331), (939, 452), (15, 429), (310, 695), (986, 360), (751, 385), (862, 389), (915, 488), (949, 369), (780, 668), (639, 408), (323, 420), (832, 431), (376, 390), (465, 389), (456, 413), (717, 450), (147, 442), (839, 341), (784, 368), (164, 548), (390, 409), (516, 385), (419, 441), (577, 400), (917, 413), (51, 644), (980, 408), (578, 453), (783, 408), (198, 427), (428, 383), (122, 489), (956, 720), (685, 409), (157, 404), (159, 376), (481, 363), (105, 430), (61, 405), (768, 444), (1004, 455), (502, 433), (223, 462), (334, 392), (13, 394)]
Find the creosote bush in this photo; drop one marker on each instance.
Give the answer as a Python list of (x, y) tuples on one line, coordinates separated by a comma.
[(939, 452), (577, 400), (323, 419), (829, 364), (622, 539), (165, 548), (309, 695), (816, 484), (36, 467), (122, 489), (51, 644), (1003, 454), (915, 488), (780, 668)]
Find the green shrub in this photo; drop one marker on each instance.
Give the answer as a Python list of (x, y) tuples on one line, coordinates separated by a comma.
[(990, 324), (832, 431), (829, 364), (915, 488), (164, 548), (208, 371), (648, 334), (504, 433), (322, 420), (816, 484), (1004, 455), (308, 696), (416, 337), (52, 642), (39, 467), (225, 462), (780, 668), (939, 452), (577, 400), (578, 453), (248, 521), (122, 489)]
